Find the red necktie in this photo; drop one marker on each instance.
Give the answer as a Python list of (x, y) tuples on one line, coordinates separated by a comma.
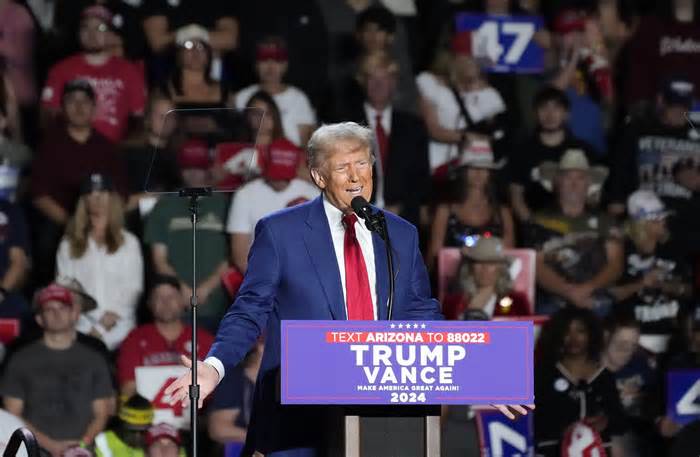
[(382, 140), (358, 297)]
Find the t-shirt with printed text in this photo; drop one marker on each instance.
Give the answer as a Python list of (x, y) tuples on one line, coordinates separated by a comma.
[(119, 88), (146, 346)]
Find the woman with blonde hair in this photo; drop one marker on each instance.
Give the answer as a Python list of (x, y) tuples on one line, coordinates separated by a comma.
[(484, 286), (105, 258)]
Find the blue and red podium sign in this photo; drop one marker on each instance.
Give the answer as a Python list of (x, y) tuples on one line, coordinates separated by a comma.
[(407, 362)]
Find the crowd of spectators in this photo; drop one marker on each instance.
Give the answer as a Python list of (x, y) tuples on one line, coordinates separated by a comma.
[(593, 163)]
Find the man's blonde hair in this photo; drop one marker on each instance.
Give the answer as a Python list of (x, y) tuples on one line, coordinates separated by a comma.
[(374, 61)]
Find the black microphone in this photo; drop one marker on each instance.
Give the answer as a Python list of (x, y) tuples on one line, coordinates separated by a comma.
[(363, 209)]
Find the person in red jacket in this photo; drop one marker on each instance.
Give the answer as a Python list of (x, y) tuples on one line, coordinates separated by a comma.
[(162, 341), (484, 285)]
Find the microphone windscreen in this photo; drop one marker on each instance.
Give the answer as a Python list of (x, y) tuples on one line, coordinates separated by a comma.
[(360, 206)]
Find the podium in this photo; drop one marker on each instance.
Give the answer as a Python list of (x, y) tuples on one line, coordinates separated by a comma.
[(381, 384), (392, 431)]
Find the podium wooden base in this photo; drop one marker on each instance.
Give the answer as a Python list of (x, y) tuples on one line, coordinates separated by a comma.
[(407, 433)]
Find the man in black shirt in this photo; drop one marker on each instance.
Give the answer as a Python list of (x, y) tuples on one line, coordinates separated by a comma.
[(649, 153), (548, 143)]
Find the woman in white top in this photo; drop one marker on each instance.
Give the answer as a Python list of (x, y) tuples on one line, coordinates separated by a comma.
[(105, 259), (458, 71), (298, 117)]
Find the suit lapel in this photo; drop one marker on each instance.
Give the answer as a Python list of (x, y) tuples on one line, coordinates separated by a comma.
[(381, 275), (319, 244)]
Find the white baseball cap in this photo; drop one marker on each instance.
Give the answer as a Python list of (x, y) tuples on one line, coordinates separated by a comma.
[(191, 32), (646, 205)]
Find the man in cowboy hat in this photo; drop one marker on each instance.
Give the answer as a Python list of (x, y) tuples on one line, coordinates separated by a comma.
[(579, 252), (58, 377)]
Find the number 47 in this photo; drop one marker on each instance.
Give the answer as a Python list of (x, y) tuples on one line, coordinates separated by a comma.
[(487, 43)]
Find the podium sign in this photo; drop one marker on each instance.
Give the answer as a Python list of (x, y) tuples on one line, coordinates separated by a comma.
[(407, 362)]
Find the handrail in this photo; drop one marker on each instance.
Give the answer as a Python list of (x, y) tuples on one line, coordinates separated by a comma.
[(19, 436)]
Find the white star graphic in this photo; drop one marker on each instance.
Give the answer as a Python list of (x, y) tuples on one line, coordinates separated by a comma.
[(415, 325), (400, 325), (422, 325), (392, 325)]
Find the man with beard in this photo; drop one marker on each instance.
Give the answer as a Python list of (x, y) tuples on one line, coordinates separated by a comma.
[(579, 253), (118, 84)]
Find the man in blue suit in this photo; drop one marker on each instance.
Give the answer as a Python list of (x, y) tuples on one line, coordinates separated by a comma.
[(314, 261)]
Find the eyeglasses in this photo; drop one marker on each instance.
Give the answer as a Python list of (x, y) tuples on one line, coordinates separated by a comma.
[(102, 28), (193, 45)]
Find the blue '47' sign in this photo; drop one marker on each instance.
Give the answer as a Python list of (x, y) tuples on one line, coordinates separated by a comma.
[(683, 395), (500, 436), (505, 41)]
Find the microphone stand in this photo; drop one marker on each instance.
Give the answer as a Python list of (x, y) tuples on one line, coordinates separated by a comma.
[(389, 262), (376, 222), (194, 194)]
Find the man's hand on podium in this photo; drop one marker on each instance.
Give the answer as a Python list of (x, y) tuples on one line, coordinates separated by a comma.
[(207, 378), (514, 411)]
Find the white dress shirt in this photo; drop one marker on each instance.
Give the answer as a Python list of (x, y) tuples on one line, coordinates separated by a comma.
[(371, 115), (364, 237)]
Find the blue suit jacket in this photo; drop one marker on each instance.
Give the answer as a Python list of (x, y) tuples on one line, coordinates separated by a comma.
[(293, 274)]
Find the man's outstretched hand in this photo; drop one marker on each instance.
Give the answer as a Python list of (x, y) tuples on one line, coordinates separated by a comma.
[(514, 411), (207, 378)]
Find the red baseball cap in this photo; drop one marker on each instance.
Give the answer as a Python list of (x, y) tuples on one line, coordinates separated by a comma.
[(461, 43), (569, 20), (162, 430), (194, 153), (281, 161), (271, 51), (99, 12), (53, 292)]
